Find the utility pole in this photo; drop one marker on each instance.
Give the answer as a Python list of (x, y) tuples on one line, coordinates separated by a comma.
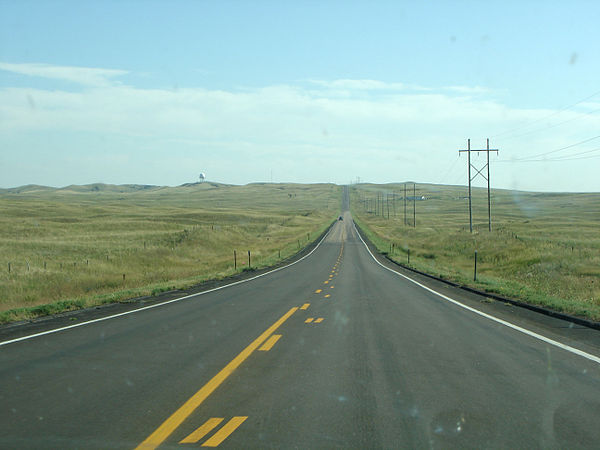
[(414, 205), (487, 150), (387, 202), (405, 204)]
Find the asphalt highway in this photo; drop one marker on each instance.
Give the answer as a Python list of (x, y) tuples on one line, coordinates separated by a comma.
[(335, 351)]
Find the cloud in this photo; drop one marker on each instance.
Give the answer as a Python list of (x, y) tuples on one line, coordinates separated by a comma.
[(367, 85), (470, 90), (379, 131), (359, 85), (81, 75)]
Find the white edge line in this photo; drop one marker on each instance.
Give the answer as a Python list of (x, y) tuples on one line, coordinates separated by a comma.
[(487, 316), (56, 330)]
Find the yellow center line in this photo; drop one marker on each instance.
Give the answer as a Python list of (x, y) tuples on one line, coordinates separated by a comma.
[(305, 306), (168, 426), (309, 320), (318, 291), (326, 281), (202, 431), (331, 287), (268, 345), (327, 296), (319, 320), (224, 432)]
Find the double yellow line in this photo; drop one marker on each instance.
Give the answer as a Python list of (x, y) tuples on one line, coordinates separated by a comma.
[(185, 410)]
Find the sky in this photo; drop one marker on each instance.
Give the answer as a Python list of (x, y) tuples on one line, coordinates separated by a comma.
[(156, 92)]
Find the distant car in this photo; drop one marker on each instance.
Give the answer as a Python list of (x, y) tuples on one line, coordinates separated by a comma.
[(340, 218)]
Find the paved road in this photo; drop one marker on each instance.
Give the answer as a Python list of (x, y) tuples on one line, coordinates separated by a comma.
[(332, 352)]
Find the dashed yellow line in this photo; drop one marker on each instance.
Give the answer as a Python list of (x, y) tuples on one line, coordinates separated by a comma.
[(309, 320), (318, 291), (327, 296), (268, 345), (159, 435), (305, 306), (224, 432), (319, 320), (206, 428)]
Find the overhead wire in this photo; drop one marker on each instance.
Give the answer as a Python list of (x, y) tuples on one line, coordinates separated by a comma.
[(443, 178), (549, 127), (573, 157), (509, 131), (533, 157)]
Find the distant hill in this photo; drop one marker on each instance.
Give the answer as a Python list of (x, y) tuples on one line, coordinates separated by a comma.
[(106, 188), (28, 188), (101, 187), (95, 187)]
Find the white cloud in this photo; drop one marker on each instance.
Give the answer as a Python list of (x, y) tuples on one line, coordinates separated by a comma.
[(81, 75), (360, 85), (469, 90), (390, 134)]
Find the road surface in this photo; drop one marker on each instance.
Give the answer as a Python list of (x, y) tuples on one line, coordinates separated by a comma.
[(333, 352)]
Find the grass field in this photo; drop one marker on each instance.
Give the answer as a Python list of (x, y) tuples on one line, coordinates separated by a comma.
[(86, 245), (544, 248)]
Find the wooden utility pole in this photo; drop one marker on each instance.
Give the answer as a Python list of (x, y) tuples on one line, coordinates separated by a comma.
[(404, 203), (487, 150), (414, 205), (387, 202)]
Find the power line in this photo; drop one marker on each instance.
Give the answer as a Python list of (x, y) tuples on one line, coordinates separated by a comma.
[(549, 127), (563, 158), (445, 176), (567, 157), (555, 150), (509, 131)]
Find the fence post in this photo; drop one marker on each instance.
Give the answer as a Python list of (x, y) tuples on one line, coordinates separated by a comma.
[(234, 260), (249, 259), (9, 267), (409, 256), (475, 268)]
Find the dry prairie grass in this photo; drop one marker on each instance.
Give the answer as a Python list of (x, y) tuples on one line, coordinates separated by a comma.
[(69, 248), (544, 248)]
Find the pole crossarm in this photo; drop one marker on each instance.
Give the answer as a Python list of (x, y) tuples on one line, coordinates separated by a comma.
[(480, 150)]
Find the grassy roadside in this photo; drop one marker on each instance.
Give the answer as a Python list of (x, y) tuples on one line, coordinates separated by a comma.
[(544, 249), (83, 246)]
